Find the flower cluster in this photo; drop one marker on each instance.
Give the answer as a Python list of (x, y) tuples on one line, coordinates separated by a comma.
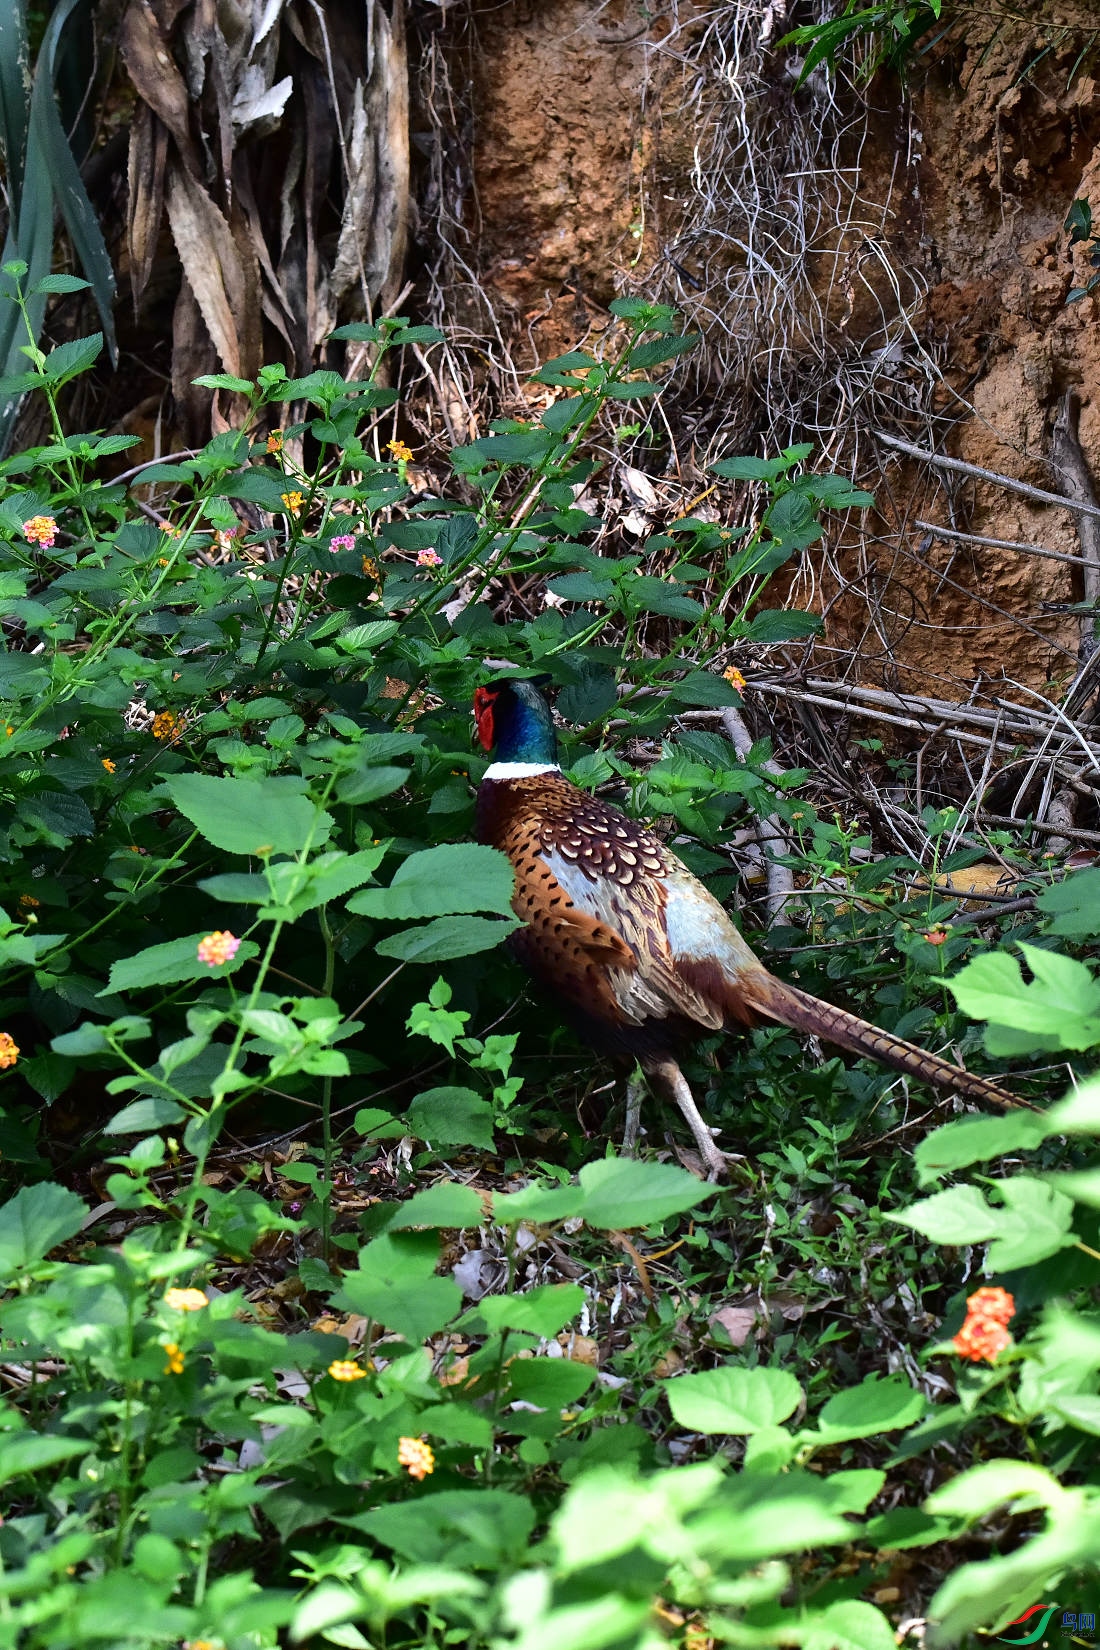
[(174, 1366), (168, 727), (735, 679), (429, 558), (416, 1457), (342, 541), (343, 1369), (985, 1332), (399, 450), (275, 441), (185, 1300), (41, 530), (293, 501), (9, 1051), (219, 947)]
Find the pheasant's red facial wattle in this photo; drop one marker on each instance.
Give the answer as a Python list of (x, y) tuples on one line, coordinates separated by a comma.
[(484, 701)]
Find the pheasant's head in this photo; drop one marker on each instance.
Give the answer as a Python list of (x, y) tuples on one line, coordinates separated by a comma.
[(513, 717)]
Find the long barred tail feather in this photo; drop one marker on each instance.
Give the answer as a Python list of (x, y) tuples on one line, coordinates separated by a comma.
[(801, 1012)]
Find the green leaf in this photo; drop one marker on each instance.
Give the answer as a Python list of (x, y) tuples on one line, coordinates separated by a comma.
[(782, 625), (1073, 904), (451, 1117), (1034, 1222), (445, 938), (485, 1528), (256, 817), (367, 784), (704, 687), (733, 1399), (169, 963), (975, 1140), (61, 283), (70, 360), (60, 812), (659, 350), (958, 1216), (583, 587), (652, 595), (446, 1205), (237, 888), (1079, 1112), (35, 1221), (224, 381), (396, 1285), (622, 1193), (25, 1452), (609, 1510), (141, 1116), (540, 1203), (541, 1311), (876, 1405), (750, 469), (847, 1624), (457, 877), (1060, 1007), (978, 1490), (550, 1383)]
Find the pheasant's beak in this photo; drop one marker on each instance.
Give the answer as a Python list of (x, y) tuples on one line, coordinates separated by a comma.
[(484, 699)]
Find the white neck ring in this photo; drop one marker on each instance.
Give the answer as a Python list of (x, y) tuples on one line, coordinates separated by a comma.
[(519, 770)]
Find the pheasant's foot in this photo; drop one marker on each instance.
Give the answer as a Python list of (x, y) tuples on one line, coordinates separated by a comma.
[(667, 1075)]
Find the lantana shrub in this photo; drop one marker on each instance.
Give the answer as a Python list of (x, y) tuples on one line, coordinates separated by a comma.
[(239, 895)]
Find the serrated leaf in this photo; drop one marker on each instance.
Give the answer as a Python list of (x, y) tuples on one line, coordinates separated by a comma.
[(1073, 904), (451, 1116), (141, 1116), (169, 964), (255, 817), (445, 1205), (25, 1452), (397, 1286), (446, 938), (620, 1192), (541, 1311), (1060, 1007), (733, 1399), (69, 360), (779, 625), (457, 877), (35, 1221), (958, 1216), (63, 813), (876, 1405), (975, 1140)]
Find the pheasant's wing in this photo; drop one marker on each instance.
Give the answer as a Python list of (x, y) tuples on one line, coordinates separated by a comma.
[(593, 890)]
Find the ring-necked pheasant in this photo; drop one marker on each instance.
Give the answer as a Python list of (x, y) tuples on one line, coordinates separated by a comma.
[(642, 956)]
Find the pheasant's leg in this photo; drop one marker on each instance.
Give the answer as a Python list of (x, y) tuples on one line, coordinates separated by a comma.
[(668, 1077), (635, 1093)]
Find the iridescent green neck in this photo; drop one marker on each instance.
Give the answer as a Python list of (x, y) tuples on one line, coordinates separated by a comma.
[(524, 726)]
